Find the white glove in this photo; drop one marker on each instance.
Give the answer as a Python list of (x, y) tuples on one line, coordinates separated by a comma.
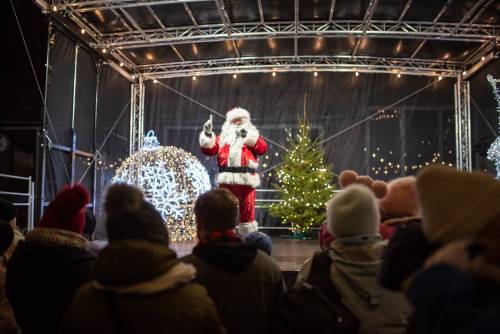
[(208, 126)]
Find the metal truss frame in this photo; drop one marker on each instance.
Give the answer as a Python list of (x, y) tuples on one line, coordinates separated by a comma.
[(463, 125), (136, 116), (303, 29), (301, 63)]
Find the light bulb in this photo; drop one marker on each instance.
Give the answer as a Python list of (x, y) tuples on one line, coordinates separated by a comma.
[(194, 77), (315, 74)]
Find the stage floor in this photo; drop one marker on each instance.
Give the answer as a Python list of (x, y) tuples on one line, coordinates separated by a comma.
[(290, 254)]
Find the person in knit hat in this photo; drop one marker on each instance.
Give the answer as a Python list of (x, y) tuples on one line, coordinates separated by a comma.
[(458, 287), (356, 255), (408, 247), (347, 178), (48, 267), (138, 284), (456, 204)]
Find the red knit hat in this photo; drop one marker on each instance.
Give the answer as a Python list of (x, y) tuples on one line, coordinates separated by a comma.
[(67, 210)]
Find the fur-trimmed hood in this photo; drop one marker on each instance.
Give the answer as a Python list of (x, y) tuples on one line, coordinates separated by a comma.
[(159, 269)]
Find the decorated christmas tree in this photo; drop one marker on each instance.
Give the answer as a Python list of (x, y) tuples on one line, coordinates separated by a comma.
[(304, 183)]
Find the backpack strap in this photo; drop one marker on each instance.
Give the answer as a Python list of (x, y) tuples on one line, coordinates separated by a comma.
[(320, 275)]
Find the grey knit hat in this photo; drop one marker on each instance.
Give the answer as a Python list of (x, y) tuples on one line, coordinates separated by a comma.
[(353, 212)]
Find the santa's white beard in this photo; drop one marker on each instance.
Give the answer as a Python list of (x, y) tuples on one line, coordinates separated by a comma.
[(230, 135)]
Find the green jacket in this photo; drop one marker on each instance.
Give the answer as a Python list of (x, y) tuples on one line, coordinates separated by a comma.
[(141, 287)]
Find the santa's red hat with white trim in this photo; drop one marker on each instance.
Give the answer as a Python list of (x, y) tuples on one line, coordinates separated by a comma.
[(237, 113)]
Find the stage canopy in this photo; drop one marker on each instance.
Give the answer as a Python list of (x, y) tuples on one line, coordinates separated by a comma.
[(167, 38)]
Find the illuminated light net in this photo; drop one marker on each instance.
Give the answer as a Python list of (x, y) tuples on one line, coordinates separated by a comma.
[(171, 180), (494, 150)]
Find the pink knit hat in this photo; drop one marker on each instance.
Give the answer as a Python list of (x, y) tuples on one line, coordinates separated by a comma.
[(402, 198)]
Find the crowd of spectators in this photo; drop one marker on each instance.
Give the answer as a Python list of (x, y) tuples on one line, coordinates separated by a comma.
[(416, 255)]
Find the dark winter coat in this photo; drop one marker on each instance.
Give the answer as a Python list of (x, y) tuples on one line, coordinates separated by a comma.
[(245, 283), (8, 324), (141, 287), (42, 276), (447, 300), (405, 254)]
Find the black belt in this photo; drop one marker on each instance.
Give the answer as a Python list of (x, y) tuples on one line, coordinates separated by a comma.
[(236, 170)]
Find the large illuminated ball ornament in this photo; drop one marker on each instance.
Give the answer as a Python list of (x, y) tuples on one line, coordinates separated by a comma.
[(171, 180)]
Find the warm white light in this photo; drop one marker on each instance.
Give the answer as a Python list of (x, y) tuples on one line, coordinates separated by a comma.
[(104, 50), (234, 76), (171, 180), (315, 74), (133, 77), (121, 64), (357, 74), (194, 77), (440, 77), (399, 75), (483, 58), (155, 81), (54, 8), (82, 31), (464, 72)]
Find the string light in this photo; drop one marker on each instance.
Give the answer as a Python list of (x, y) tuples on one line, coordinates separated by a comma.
[(399, 75), (274, 74), (464, 72), (315, 74), (357, 74), (54, 8), (494, 149), (483, 58), (235, 76), (82, 31), (104, 50), (440, 78), (155, 81), (194, 77), (121, 64), (171, 180)]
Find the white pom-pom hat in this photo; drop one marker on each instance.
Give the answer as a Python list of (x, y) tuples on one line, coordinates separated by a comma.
[(237, 113)]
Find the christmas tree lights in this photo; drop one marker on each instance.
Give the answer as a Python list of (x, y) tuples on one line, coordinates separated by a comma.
[(494, 150), (171, 180), (304, 182)]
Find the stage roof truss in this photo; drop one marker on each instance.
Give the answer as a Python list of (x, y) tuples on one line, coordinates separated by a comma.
[(126, 30)]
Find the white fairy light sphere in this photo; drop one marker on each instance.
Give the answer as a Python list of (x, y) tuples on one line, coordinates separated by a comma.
[(171, 180)]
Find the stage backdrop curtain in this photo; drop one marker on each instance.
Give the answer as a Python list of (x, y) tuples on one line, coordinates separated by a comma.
[(93, 124)]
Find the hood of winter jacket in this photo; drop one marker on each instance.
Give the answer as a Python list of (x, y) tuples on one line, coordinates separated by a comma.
[(358, 265), (229, 257), (139, 267)]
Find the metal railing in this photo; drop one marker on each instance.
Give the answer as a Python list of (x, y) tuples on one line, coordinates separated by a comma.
[(30, 197)]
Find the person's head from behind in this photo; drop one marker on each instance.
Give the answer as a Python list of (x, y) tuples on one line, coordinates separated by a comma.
[(130, 217), (457, 205), (260, 240), (354, 215), (216, 210), (8, 212)]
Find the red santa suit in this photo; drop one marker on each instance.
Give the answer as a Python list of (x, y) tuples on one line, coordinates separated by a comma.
[(237, 159)]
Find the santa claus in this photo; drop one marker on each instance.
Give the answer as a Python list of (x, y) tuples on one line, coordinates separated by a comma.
[(237, 148)]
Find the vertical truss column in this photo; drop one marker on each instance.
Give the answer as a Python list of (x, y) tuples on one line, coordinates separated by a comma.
[(462, 125), (136, 116)]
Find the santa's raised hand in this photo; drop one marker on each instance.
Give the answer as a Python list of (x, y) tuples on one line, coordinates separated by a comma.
[(208, 126)]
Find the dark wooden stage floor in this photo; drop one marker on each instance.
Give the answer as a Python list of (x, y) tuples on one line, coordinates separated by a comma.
[(290, 254)]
